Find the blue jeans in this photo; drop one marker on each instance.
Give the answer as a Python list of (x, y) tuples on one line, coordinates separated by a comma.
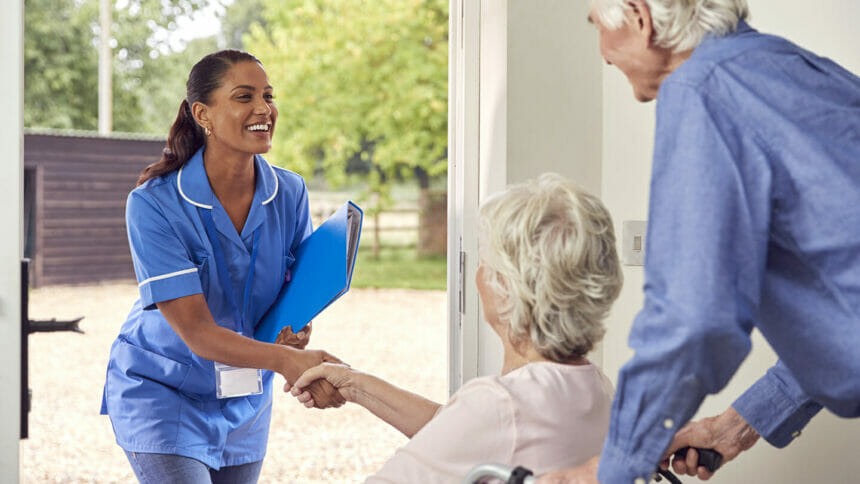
[(176, 469)]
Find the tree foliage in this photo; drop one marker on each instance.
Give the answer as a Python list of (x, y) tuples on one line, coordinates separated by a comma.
[(61, 39), (357, 81), (237, 20), (60, 65)]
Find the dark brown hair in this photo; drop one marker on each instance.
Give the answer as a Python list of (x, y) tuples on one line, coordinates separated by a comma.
[(186, 136)]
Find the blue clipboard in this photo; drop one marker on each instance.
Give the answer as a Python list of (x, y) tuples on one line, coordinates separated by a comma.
[(321, 274)]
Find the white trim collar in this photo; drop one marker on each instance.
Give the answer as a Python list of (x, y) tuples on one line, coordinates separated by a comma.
[(192, 202), (275, 176)]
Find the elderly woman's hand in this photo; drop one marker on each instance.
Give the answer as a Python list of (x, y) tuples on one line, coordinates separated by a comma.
[(296, 340), (339, 376)]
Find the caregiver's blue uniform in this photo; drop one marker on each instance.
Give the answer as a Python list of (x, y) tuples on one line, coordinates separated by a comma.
[(159, 395)]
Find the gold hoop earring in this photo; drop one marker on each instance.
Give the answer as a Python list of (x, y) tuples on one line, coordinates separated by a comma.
[(207, 131)]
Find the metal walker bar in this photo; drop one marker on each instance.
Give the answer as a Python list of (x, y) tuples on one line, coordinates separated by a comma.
[(509, 475)]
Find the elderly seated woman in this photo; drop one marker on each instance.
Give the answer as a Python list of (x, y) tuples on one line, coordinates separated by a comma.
[(548, 275)]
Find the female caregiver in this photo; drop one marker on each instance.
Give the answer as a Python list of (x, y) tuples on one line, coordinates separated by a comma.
[(212, 228)]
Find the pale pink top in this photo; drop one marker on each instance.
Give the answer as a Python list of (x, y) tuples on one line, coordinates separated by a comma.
[(544, 416)]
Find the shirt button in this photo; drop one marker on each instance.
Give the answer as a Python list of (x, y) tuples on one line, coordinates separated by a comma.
[(639, 480), (796, 434), (668, 423)]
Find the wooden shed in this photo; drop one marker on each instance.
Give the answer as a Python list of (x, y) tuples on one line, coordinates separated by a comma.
[(75, 188)]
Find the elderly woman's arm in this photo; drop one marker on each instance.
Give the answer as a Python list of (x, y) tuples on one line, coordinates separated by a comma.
[(403, 410)]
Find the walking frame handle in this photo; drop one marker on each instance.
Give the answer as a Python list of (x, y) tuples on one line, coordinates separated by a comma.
[(509, 475), (708, 458)]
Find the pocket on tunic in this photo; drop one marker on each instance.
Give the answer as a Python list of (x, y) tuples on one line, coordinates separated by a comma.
[(136, 362)]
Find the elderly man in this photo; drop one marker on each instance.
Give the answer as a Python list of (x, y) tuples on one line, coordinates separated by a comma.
[(754, 222)]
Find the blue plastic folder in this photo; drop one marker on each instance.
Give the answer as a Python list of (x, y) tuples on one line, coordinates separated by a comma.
[(321, 274)]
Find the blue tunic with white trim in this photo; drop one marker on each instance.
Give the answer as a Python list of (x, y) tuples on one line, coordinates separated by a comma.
[(160, 396)]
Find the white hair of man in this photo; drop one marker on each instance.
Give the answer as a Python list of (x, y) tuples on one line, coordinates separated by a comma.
[(548, 251), (678, 25)]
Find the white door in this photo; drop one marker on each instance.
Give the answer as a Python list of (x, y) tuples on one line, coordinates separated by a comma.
[(525, 98), (11, 181)]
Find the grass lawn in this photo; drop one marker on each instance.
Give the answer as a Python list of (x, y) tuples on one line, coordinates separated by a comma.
[(399, 267)]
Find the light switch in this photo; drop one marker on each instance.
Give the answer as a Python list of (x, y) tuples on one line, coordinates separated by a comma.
[(633, 242)]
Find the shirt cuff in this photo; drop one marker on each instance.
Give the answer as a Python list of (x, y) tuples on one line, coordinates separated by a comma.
[(618, 467), (776, 407), (169, 286)]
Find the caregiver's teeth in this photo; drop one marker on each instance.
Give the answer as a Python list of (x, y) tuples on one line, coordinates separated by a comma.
[(258, 127)]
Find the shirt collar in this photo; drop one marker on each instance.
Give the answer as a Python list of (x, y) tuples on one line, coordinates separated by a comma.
[(194, 188), (742, 28)]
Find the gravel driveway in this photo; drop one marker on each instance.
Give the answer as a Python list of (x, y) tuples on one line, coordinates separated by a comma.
[(399, 335)]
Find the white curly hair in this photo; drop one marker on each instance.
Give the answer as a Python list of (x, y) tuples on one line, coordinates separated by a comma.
[(548, 251), (679, 25)]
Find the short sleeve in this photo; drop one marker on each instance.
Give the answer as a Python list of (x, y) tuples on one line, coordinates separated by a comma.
[(476, 426), (162, 265)]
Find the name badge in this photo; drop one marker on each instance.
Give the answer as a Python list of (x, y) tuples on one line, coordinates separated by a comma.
[(231, 381)]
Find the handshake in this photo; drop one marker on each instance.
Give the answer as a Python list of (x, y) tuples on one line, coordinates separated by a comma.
[(318, 378)]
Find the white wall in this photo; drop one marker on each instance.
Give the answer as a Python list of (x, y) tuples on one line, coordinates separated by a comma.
[(827, 450), (11, 176), (554, 116)]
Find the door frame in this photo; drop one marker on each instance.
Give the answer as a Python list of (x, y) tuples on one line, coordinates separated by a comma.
[(463, 179), (11, 218)]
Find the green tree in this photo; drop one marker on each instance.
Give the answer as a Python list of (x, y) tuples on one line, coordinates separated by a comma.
[(159, 86), (357, 80), (61, 63), (237, 20)]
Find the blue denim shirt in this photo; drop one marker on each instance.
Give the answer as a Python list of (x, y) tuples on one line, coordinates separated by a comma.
[(754, 222)]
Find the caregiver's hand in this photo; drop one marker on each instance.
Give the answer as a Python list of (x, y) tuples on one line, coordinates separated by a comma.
[(297, 361), (324, 395), (296, 340), (339, 376)]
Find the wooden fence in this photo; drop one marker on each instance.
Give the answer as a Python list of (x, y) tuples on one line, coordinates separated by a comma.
[(397, 227), (420, 223)]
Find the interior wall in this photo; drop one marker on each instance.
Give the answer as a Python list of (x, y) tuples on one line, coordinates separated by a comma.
[(554, 116), (11, 250), (827, 449)]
